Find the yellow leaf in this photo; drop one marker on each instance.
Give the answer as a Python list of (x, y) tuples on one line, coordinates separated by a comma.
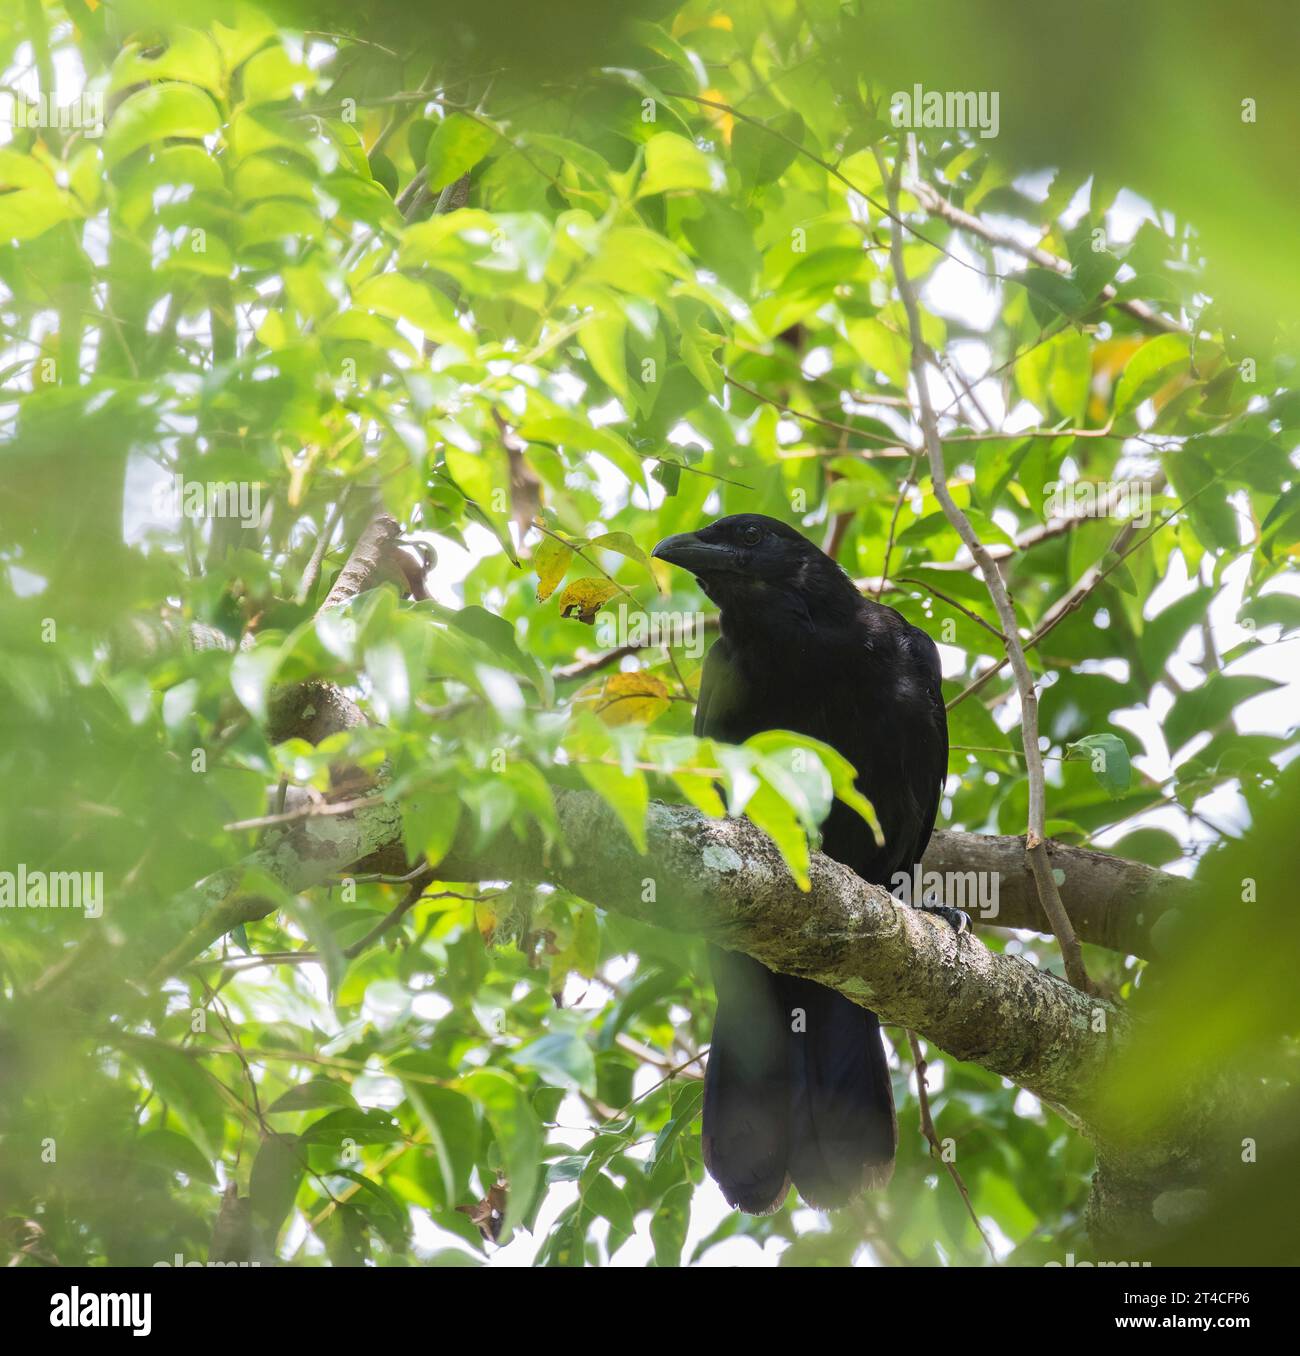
[(485, 919), (551, 561), (1108, 360), (719, 116), (626, 698), (585, 597), (1110, 356)]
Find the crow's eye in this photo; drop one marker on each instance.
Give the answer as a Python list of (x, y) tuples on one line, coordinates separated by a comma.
[(752, 535)]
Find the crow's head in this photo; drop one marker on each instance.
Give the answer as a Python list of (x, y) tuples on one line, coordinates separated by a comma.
[(751, 564)]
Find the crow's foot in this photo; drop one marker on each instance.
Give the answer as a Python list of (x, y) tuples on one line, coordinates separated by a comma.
[(956, 919)]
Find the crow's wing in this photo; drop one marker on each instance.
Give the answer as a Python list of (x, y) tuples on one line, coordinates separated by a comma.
[(718, 703), (932, 768)]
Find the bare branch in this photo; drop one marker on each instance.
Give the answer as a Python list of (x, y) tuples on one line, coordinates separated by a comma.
[(936, 203), (1051, 899), (312, 572), (932, 1138), (368, 560)]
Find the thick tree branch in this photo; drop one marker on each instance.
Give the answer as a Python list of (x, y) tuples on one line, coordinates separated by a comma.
[(1123, 905), (370, 556), (724, 880)]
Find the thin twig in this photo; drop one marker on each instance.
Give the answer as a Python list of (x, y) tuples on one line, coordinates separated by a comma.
[(1095, 576), (312, 572), (932, 1135), (395, 915), (952, 602), (998, 435), (936, 203), (342, 807), (1049, 895), (890, 444), (908, 481)]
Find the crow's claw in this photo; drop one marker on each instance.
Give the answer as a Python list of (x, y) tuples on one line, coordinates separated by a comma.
[(956, 919)]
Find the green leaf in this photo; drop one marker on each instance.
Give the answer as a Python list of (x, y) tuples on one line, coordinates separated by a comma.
[(361, 1126), (1205, 707), (32, 201), (623, 544), (1162, 635), (669, 475), (385, 665), (186, 54), (472, 474), (722, 239), (562, 1057), (452, 1126), (459, 143), (273, 1183), (1281, 526), (518, 1136), (403, 298), (1094, 271), (625, 793), (770, 812), (796, 774), (315, 1093), (495, 632), (672, 163), (429, 824), (1109, 758), (1051, 295), (453, 1257), (826, 269), (189, 1092), (603, 1197), (1148, 369), (1155, 847), (273, 75), (762, 154), (577, 436), (156, 113), (669, 1226), (1203, 492), (686, 1107), (603, 342), (176, 1153), (697, 347), (252, 673)]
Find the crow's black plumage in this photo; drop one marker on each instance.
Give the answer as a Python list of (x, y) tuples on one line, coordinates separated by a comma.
[(797, 1088)]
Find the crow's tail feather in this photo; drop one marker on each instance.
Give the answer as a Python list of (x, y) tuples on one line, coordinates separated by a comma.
[(746, 1086), (796, 1089), (843, 1131)]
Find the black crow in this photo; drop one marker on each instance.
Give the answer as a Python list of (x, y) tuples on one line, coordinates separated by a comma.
[(797, 1088)]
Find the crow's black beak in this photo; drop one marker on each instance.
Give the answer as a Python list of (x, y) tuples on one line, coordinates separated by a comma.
[(699, 557)]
